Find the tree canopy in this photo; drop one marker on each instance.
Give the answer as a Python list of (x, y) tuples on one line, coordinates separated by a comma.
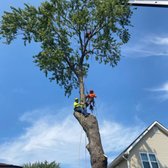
[(42, 165), (70, 32)]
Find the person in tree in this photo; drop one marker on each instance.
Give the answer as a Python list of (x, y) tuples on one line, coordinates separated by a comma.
[(90, 100), (80, 107), (88, 34)]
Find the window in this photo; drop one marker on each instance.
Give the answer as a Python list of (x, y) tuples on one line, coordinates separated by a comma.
[(149, 160)]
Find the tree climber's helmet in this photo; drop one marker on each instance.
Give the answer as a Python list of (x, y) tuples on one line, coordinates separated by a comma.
[(76, 99)]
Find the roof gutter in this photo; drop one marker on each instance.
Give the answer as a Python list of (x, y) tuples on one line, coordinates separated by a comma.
[(126, 158), (148, 3)]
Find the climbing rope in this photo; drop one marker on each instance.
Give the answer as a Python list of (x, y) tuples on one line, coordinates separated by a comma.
[(80, 142), (79, 152), (85, 151), (95, 111)]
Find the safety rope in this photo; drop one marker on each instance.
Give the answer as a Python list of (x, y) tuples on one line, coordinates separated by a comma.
[(79, 155), (85, 152), (80, 142), (95, 111)]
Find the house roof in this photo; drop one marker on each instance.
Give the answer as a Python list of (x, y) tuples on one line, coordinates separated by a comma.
[(125, 153), (3, 165)]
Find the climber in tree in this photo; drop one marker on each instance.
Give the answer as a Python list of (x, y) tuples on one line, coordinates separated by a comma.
[(80, 107), (90, 100), (88, 34)]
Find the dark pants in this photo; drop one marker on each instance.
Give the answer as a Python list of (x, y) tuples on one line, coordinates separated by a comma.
[(91, 103), (81, 110)]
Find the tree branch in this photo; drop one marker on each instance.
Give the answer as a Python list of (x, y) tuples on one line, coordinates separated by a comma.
[(72, 66)]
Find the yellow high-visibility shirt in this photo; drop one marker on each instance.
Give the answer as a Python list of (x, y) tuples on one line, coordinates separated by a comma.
[(77, 105)]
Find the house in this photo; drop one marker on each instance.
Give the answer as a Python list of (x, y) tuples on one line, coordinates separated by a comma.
[(148, 150), (3, 165)]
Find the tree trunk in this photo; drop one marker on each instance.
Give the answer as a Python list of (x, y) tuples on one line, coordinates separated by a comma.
[(81, 88), (90, 126)]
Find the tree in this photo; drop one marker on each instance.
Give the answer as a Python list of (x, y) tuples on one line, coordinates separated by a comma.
[(70, 32), (41, 165)]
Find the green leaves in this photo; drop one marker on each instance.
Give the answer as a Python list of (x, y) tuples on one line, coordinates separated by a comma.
[(60, 27), (42, 165), (55, 66)]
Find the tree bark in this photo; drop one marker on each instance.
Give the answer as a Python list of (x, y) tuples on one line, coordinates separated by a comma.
[(81, 88), (90, 126)]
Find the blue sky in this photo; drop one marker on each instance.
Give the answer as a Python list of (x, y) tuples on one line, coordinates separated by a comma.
[(36, 120)]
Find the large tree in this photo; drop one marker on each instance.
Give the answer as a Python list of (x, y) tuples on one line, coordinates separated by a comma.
[(70, 32)]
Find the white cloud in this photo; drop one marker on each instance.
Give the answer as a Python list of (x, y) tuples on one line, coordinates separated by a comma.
[(160, 40), (46, 139), (51, 138), (116, 136), (149, 46), (163, 88), (144, 52), (162, 91)]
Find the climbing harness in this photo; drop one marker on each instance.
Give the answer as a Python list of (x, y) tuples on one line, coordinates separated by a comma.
[(90, 100)]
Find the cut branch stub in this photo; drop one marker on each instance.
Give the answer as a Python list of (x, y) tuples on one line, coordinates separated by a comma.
[(90, 126)]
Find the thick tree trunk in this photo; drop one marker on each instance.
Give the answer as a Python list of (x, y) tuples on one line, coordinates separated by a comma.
[(90, 126)]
